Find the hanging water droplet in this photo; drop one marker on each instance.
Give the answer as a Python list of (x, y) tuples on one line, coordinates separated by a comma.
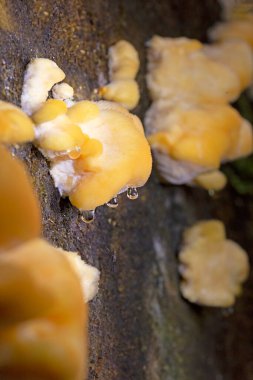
[(88, 216), (132, 193), (228, 311), (211, 192), (113, 203), (95, 95)]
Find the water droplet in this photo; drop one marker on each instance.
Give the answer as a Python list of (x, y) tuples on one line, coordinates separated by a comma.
[(132, 193), (88, 216), (228, 311), (74, 153), (95, 95), (113, 203)]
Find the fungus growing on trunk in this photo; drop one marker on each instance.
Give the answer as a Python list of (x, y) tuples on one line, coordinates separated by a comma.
[(96, 149), (123, 66), (43, 315), (180, 70), (212, 267), (62, 91), (191, 128), (115, 157), (15, 126), (203, 136), (40, 76), (124, 61)]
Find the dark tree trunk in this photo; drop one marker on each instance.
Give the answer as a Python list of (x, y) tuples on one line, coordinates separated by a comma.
[(140, 327)]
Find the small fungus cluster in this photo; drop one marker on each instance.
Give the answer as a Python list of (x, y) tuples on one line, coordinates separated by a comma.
[(43, 290), (124, 64), (212, 267), (191, 126), (96, 149)]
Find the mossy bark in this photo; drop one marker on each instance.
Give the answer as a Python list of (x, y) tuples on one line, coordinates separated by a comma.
[(140, 327)]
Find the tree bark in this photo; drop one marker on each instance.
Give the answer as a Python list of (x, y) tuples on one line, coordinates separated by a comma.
[(140, 327)]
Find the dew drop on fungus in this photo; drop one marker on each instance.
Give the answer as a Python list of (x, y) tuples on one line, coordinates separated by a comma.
[(132, 193), (88, 216), (113, 203), (74, 153)]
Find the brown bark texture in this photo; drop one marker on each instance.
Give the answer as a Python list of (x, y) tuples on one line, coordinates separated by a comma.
[(140, 327)]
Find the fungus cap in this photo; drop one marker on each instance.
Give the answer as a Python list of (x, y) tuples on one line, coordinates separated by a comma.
[(179, 70), (19, 208), (44, 328), (235, 54), (123, 61), (40, 76), (88, 275), (214, 180), (125, 92), (62, 91), (15, 126), (124, 161), (204, 135), (233, 30), (212, 267), (55, 131)]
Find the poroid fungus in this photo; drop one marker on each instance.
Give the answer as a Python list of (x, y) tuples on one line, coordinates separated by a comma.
[(43, 315), (40, 76), (96, 149), (212, 267), (15, 126), (190, 126), (123, 67), (189, 140)]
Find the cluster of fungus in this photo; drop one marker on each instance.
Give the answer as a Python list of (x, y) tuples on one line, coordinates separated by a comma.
[(124, 64), (192, 130), (96, 149), (191, 126), (43, 290), (212, 267)]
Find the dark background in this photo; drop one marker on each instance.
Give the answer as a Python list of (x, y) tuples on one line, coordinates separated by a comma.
[(140, 327)]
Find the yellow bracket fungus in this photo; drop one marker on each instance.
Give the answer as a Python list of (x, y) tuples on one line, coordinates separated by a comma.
[(55, 131), (123, 66), (179, 70), (40, 76), (236, 9), (190, 126), (62, 91), (20, 219), (43, 316), (237, 55), (15, 126), (124, 61), (212, 267), (214, 180), (83, 111), (203, 136), (239, 29), (125, 92), (96, 149), (114, 157)]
